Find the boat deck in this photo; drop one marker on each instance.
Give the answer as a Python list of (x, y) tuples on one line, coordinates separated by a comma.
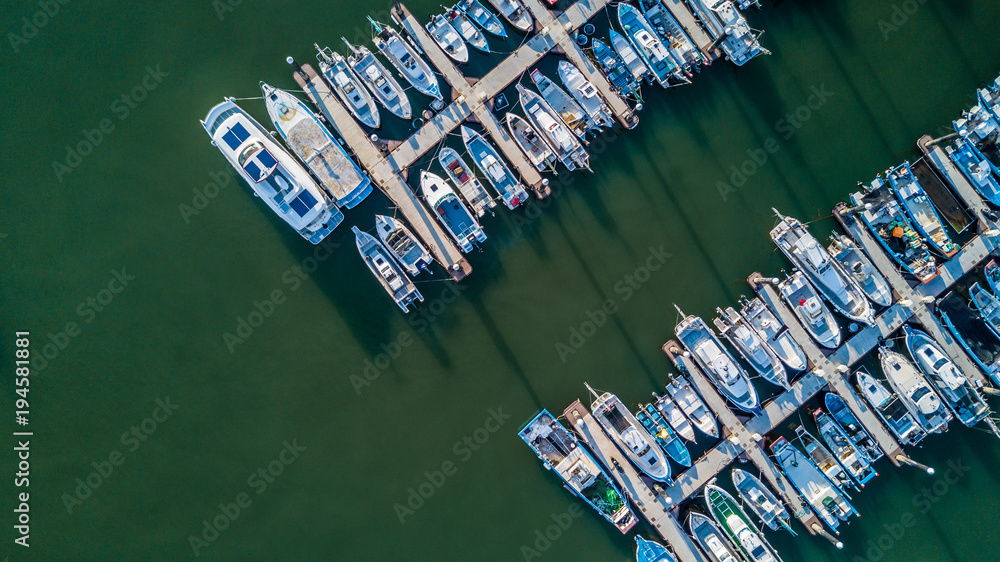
[(655, 509), (335, 171), (686, 17), (388, 180)]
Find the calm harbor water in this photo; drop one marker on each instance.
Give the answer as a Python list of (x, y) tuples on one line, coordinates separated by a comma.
[(309, 436)]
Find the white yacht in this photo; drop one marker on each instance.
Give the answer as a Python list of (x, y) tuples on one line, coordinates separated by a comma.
[(890, 408), (538, 151), (814, 316), (515, 13), (709, 353), (725, 23), (861, 269), (386, 271), (957, 392), (710, 539), (316, 147), (447, 37), (760, 500), (913, 390), (692, 405), (406, 60), (402, 244), (379, 80), (467, 30), (734, 522), (585, 94), (572, 114), (750, 346), (644, 40), (674, 415), (545, 119), (273, 174), (626, 431), (825, 274), (489, 162), (450, 211), (825, 499), (475, 11), (774, 333), (348, 87)]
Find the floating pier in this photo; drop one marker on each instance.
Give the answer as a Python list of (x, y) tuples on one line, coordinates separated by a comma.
[(382, 173), (656, 509), (689, 21)]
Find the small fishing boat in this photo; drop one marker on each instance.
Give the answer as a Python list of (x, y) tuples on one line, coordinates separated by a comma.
[(547, 122), (450, 211), (709, 353), (860, 268), (774, 333), (915, 393), (614, 68), (654, 423), (750, 346), (469, 32), (475, 11), (402, 244), (825, 499), (497, 173), (884, 217), (386, 271), (982, 130), (711, 540), (273, 174), (649, 551), (988, 306), (692, 405), (447, 37), (585, 94), (405, 59), (348, 87), (532, 144), (854, 461), (814, 316), (629, 57), (317, 148), (379, 80), (761, 501), (468, 185), (825, 274), (571, 113), (824, 460), (891, 409), (674, 415), (734, 522), (989, 97), (649, 47), (956, 391), (626, 431), (515, 13), (976, 169), (856, 432), (672, 34), (561, 453), (920, 209), (991, 271)]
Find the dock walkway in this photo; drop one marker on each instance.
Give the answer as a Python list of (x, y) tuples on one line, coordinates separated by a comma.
[(655, 509), (383, 175), (689, 21)]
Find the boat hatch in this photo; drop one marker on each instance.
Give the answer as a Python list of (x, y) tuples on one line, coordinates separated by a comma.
[(235, 136), (303, 203), (257, 162), (588, 90), (815, 255)]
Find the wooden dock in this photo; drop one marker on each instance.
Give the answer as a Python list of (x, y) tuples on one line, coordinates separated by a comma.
[(383, 175), (689, 21), (654, 508)]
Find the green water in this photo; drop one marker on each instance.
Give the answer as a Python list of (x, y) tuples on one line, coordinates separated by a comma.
[(492, 353)]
